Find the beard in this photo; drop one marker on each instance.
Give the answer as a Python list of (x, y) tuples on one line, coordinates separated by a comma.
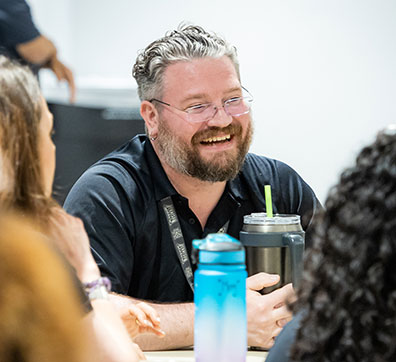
[(185, 157)]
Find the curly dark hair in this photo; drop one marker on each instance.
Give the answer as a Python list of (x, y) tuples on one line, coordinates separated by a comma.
[(348, 292)]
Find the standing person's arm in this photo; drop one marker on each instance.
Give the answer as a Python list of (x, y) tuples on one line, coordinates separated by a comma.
[(42, 51), (23, 37)]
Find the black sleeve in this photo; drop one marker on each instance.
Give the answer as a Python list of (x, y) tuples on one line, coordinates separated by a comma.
[(283, 342), (16, 23), (100, 200)]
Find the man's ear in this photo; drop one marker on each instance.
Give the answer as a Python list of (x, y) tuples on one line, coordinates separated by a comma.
[(150, 115)]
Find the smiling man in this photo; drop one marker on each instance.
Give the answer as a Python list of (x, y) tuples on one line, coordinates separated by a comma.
[(191, 175)]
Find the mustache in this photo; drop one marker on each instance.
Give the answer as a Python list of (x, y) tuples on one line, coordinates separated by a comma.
[(234, 129)]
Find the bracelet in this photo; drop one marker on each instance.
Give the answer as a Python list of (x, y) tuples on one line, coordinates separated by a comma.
[(98, 289)]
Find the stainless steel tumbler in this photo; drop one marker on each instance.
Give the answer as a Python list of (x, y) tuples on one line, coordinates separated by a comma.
[(274, 245)]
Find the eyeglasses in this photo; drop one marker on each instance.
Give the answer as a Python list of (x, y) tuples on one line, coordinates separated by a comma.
[(234, 107)]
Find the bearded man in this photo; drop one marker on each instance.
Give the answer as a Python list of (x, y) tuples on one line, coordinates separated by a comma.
[(191, 175)]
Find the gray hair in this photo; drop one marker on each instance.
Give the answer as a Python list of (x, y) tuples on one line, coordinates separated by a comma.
[(185, 43)]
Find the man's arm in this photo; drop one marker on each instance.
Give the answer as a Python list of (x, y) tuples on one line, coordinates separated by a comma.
[(266, 315), (177, 321)]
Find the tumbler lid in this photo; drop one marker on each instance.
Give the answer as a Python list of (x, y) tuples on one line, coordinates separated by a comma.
[(277, 219), (279, 223), (219, 249)]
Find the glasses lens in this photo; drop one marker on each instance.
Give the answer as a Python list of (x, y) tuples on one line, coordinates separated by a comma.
[(205, 114), (238, 106)]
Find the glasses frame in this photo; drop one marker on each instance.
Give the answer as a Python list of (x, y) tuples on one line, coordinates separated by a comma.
[(249, 99)]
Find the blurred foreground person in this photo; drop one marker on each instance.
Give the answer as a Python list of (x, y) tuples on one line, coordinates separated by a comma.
[(27, 166), (346, 309), (40, 313)]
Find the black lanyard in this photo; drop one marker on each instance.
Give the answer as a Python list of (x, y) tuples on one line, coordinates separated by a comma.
[(178, 238)]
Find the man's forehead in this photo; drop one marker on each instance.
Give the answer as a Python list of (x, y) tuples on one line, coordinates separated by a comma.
[(196, 77)]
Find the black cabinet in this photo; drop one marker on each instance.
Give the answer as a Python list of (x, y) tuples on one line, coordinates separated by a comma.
[(84, 134)]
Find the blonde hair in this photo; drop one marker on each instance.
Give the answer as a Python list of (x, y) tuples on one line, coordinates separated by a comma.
[(40, 313), (21, 183)]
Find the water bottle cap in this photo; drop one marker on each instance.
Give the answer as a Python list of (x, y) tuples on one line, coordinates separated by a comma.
[(219, 249)]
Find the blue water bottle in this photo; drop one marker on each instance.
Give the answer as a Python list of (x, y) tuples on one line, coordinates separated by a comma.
[(220, 325)]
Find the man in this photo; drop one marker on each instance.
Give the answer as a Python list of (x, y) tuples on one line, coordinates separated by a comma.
[(21, 40), (143, 204)]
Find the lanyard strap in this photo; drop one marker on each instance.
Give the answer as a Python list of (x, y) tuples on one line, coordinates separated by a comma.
[(178, 238)]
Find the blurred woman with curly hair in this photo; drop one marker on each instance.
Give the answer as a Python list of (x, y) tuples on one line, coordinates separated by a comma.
[(346, 309)]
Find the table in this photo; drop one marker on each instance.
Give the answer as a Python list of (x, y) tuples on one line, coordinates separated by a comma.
[(188, 356)]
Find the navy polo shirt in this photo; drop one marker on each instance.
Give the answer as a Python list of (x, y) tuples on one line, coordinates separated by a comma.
[(118, 198), (16, 26)]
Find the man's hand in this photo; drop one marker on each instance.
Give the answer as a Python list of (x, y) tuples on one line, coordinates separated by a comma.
[(266, 314)]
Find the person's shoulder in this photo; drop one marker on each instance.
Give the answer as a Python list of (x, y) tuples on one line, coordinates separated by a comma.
[(124, 170), (261, 164), (125, 160), (266, 168)]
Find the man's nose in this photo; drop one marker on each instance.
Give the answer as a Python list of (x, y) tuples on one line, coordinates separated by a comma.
[(220, 119)]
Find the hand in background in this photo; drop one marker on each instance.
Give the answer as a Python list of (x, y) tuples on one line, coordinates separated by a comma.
[(266, 314), (63, 73), (141, 318), (68, 233)]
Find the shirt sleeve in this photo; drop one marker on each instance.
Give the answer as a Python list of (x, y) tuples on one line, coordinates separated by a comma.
[(99, 200), (16, 23)]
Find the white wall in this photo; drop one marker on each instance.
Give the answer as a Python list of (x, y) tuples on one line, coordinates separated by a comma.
[(322, 72)]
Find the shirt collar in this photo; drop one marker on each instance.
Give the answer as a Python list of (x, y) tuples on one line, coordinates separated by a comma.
[(162, 186)]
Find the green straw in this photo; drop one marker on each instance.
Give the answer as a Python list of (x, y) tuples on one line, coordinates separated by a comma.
[(268, 200)]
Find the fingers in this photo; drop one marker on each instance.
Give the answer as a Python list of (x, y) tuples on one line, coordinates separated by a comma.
[(146, 318), (267, 314), (261, 280), (72, 86), (150, 312), (64, 73), (282, 322), (279, 296), (282, 316)]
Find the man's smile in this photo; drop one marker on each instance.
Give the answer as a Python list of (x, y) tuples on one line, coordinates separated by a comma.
[(213, 140)]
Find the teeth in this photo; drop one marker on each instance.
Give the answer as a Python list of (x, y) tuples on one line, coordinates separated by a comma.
[(217, 139)]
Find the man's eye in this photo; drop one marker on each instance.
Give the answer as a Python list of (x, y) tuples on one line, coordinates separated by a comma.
[(234, 100), (198, 108)]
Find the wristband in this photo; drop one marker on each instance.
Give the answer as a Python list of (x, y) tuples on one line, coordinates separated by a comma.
[(98, 289)]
